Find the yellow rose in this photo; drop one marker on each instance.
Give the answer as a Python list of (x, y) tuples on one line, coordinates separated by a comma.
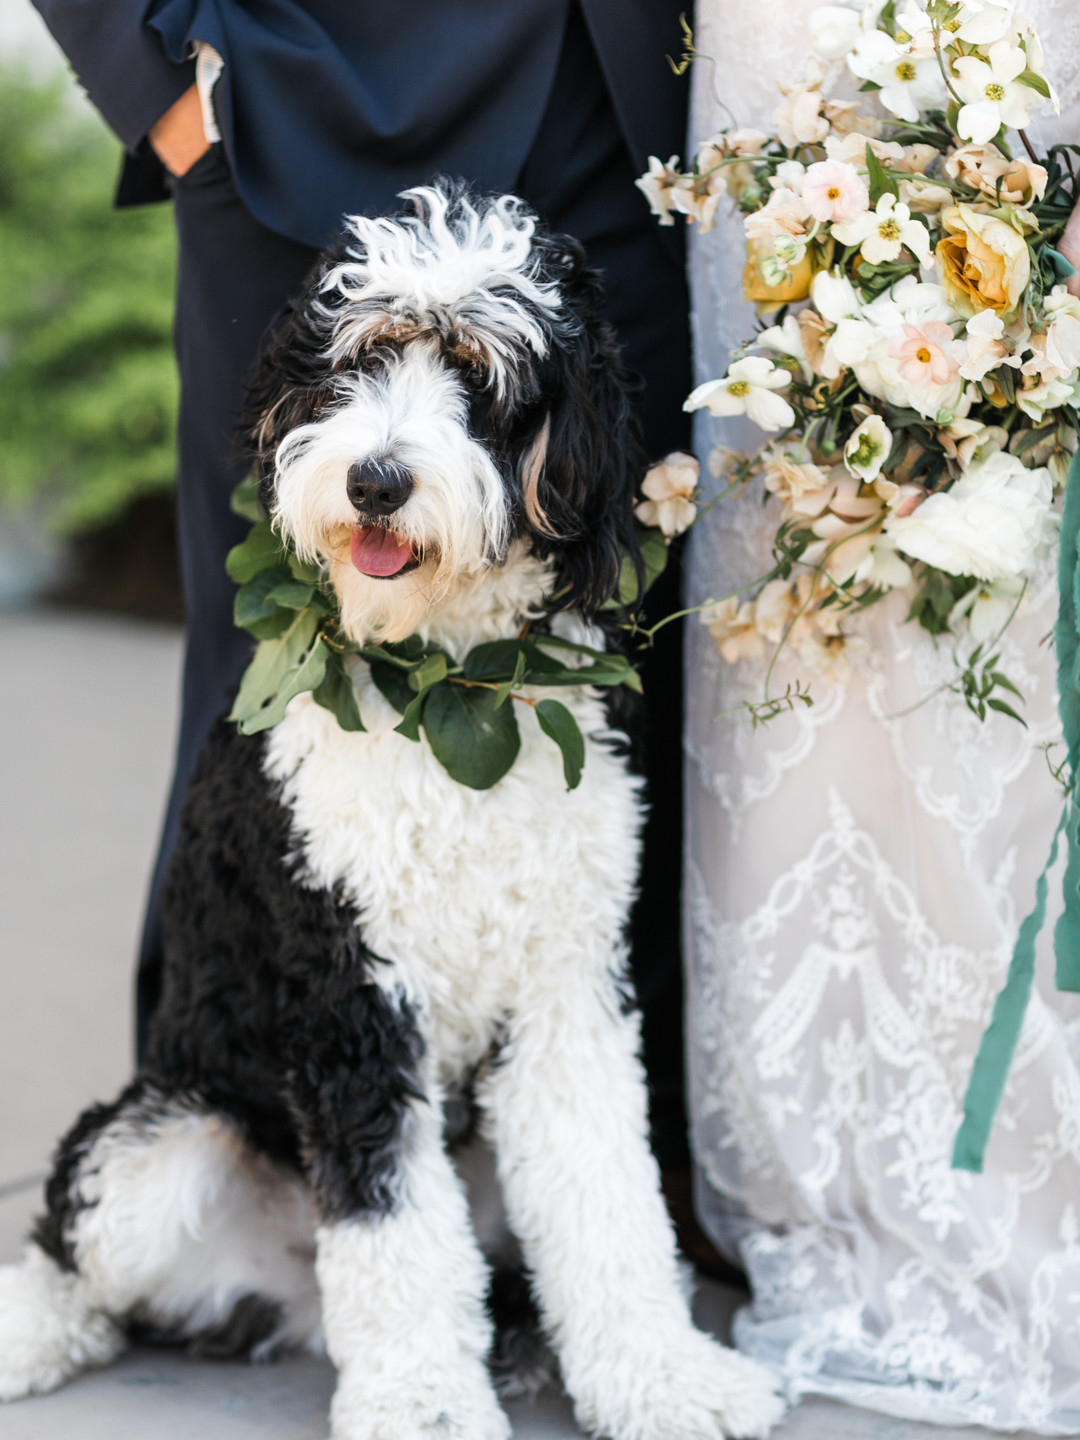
[(795, 284), (984, 262)]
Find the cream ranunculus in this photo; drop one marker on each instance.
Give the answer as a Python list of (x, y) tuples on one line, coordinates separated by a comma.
[(985, 263), (996, 521)]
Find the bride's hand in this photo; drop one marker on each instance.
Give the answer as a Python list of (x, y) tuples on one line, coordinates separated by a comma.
[(1069, 245)]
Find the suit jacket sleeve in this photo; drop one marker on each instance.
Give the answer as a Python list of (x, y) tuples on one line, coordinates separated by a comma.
[(120, 63)]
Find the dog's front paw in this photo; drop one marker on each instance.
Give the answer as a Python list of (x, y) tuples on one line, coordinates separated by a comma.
[(47, 1331), (685, 1388), (459, 1405)]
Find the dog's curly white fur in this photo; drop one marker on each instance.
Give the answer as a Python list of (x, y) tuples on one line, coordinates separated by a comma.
[(350, 933)]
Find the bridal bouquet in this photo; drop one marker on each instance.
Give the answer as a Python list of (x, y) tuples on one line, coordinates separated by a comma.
[(921, 376)]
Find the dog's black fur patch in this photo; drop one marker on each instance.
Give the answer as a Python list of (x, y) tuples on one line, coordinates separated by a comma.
[(269, 1009)]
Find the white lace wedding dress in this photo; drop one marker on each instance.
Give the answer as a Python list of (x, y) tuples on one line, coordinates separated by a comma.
[(855, 883)]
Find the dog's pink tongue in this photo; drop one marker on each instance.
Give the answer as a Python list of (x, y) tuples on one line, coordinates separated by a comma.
[(375, 551)]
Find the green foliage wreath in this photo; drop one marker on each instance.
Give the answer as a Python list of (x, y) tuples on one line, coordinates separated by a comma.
[(463, 709)]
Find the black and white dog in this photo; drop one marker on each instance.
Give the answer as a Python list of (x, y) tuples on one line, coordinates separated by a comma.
[(351, 934)]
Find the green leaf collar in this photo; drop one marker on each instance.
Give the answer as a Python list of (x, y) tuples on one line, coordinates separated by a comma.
[(466, 711)]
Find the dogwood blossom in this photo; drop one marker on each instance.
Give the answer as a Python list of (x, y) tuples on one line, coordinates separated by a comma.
[(669, 488), (996, 521), (883, 232), (749, 388), (910, 81), (991, 91)]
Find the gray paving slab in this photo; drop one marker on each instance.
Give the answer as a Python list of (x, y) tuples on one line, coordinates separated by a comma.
[(86, 733)]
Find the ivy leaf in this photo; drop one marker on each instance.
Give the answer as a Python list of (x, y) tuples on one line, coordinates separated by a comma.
[(252, 604), (261, 550), (429, 672), (304, 570), (475, 743), (278, 671), (336, 694), (245, 501), (559, 725), (880, 181), (281, 668), (494, 661), (409, 725), (514, 683), (393, 684), (292, 594)]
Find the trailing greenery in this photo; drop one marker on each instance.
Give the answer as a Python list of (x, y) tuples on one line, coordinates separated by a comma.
[(464, 710), (87, 382)]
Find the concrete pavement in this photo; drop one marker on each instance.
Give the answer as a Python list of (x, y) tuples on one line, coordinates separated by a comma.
[(86, 731)]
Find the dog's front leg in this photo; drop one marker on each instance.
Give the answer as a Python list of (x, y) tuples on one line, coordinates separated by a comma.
[(402, 1280), (566, 1110)]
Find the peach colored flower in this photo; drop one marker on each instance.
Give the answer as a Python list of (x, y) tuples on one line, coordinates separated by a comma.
[(985, 263), (982, 166), (669, 488), (732, 627), (833, 190), (799, 120), (925, 354)]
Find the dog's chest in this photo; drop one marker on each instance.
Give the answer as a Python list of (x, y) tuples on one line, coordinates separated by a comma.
[(476, 898)]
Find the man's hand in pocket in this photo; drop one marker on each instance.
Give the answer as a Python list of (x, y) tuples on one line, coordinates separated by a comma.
[(178, 137)]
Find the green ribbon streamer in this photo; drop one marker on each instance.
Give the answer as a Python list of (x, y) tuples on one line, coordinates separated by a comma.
[(991, 1068)]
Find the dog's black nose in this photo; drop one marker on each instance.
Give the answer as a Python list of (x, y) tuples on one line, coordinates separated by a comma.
[(378, 487)]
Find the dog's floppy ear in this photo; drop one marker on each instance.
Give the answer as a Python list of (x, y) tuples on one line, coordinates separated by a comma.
[(580, 472), (295, 375)]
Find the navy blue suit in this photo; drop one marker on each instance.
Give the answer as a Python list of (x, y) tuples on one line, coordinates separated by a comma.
[(329, 107)]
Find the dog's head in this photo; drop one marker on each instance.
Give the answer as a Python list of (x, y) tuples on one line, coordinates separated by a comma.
[(444, 387)]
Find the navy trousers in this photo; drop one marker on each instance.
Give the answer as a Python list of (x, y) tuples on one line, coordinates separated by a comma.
[(234, 278)]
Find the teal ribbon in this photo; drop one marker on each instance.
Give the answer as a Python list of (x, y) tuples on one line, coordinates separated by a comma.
[(991, 1068)]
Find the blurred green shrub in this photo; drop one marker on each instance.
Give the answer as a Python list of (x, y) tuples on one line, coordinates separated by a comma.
[(87, 382)]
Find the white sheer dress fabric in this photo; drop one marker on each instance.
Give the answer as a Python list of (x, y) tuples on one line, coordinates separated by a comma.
[(855, 883)]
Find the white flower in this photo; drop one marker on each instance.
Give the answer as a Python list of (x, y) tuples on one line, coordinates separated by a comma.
[(834, 296), (992, 96), (658, 186), (984, 351), (995, 522), (749, 388), (868, 448), (787, 339), (910, 82), (882, 567), (799, 120), (670, 485), (988, 608), (834, 29), (789, 173), (883, 232), (835, 192), (984, 24)]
